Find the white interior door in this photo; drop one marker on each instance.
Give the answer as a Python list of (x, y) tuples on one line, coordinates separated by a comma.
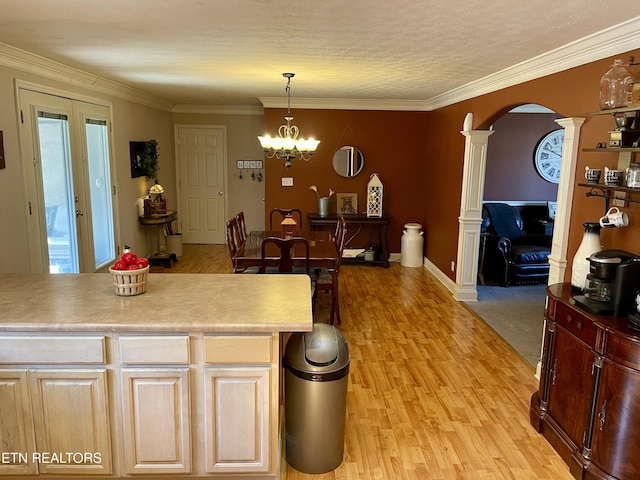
[(201, 183)]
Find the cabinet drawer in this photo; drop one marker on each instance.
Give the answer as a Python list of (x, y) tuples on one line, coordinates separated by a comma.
[(623, 350), (578, 324), (237, 349), (52, 349), (159, 349)]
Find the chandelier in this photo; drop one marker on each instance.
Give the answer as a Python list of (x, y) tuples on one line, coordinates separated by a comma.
[(287, 145)]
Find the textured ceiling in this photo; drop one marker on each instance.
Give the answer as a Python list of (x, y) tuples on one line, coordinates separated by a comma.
[(233, 52)]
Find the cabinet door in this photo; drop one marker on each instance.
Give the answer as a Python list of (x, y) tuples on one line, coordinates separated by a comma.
[(16, 424), (237, 412), (570, 384), (156, 420), (70, 415), (616, 437)]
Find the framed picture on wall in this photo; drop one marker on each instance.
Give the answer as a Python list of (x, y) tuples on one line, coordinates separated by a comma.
[(135, 151), (347, 203)]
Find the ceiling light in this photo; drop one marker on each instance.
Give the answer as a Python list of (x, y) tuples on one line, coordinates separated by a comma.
[(287, 145)]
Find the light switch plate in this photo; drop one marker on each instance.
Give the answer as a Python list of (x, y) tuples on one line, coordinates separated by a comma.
[(287, 181)]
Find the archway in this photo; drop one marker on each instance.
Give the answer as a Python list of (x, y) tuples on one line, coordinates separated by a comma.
[(474, 170)]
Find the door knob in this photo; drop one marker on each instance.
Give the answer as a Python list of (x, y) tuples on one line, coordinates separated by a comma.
[(220, 194)]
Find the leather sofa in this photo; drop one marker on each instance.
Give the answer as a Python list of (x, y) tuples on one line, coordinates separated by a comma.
[(509, 255)]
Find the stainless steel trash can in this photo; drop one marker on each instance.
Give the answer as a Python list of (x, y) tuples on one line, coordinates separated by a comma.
[(316, 367)]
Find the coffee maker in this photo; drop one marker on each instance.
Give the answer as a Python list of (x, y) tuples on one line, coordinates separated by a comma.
[(612, 283)]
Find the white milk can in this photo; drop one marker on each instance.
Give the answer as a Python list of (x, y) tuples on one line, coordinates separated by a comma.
[(590, 244), (412, 242)]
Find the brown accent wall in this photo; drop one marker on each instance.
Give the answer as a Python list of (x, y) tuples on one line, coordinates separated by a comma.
[(394, 145), (571, 93), (419, 157), (510, 173)]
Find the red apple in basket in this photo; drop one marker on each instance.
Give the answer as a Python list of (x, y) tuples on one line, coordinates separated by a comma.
[(142, 262), (129, 258), (133, 267), (120, 265)]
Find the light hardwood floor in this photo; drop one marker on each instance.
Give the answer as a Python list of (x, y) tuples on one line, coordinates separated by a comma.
[(434, 393)]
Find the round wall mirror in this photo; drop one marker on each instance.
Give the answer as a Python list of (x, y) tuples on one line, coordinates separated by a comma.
[(348, 161)]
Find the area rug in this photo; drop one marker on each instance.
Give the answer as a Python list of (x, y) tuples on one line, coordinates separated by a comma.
[(516, 314)]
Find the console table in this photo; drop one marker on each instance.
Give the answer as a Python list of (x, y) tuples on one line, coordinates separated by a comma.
[(355, 224), (159, 220)]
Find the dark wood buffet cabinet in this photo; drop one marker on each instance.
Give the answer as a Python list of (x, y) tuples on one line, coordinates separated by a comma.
[(588, 403)]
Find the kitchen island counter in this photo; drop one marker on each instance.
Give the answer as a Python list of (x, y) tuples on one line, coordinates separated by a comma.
[(184, 379), (172, 303)]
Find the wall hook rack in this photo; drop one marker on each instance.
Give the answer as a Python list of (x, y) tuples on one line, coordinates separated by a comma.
[(609, 193)]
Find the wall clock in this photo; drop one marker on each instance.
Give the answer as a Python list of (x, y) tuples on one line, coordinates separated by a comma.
[(548, 155)]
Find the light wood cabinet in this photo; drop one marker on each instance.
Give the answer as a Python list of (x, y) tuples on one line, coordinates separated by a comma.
[(17, 435), (237, 412), (61, 424), (156, 418), (240, 403), (71, 418), (156, 403), (55, 422)]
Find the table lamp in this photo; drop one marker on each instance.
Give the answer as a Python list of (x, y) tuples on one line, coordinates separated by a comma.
[(159, 205)]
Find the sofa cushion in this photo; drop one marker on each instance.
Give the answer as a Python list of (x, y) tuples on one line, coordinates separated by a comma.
[(530, 254), (504, 220)]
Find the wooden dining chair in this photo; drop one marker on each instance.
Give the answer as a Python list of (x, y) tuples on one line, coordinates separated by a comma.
[(294, 212), (286, 264), (325, 277), (233, 243), (242, 227)]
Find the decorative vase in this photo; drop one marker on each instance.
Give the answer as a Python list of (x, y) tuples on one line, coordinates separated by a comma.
[(589, 245), (323, 206)]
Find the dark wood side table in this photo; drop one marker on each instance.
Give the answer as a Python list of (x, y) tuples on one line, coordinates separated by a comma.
[(159, 220), (355, 223)]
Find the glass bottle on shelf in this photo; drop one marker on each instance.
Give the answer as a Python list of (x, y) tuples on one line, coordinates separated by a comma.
[(616, 86), (589, 245)]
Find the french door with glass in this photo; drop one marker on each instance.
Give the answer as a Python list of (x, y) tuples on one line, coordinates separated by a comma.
[(67, 174)]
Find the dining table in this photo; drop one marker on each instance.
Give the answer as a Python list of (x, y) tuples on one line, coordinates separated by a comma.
[(322, 254)]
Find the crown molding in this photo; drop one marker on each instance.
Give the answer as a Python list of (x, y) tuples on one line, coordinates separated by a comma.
[(345, 104), (218, 109), (618, 39), (28, 62), (611, 41)]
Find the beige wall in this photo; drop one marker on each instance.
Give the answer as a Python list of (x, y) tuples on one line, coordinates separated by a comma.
[(131, 121)]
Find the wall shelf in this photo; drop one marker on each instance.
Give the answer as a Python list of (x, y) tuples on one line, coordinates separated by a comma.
[(608, 192), (612, 149), (613, 111)]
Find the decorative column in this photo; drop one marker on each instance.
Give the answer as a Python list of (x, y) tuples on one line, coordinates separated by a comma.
[(558, 257), (470, 219)]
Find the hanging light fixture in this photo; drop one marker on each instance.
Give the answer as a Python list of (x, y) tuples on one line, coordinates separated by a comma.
[(287, 145)]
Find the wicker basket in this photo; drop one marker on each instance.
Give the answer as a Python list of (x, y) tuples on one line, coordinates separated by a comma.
[(127, 283)]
